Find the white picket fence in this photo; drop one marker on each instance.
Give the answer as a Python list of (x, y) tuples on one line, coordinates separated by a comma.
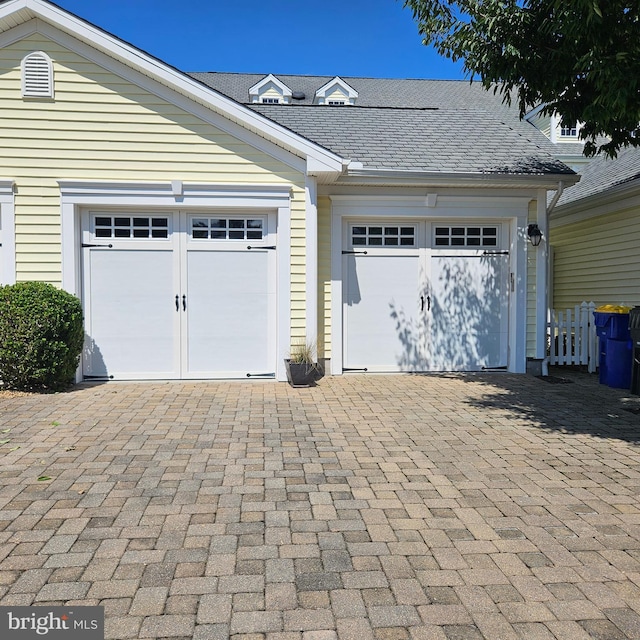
[(572, 336)]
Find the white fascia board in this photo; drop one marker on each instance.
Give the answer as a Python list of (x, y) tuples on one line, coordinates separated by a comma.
[(534, 112), (16, 12), (446, 179)]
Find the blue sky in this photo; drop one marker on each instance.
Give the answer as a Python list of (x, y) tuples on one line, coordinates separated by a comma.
[(373, 38)]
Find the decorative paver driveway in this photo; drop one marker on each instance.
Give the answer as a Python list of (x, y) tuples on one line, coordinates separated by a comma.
[(388, 507)]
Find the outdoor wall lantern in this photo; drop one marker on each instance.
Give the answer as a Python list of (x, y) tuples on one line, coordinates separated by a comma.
[(535, 235)]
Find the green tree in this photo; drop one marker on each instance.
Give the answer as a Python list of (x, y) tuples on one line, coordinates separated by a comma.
[(580, 58)]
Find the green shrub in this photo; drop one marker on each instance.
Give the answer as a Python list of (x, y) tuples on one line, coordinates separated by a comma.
[(41, 336)]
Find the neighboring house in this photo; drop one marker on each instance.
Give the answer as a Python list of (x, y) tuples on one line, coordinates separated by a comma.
[(595, 235), (208, 222)]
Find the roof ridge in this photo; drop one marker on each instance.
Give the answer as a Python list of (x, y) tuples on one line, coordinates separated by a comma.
[(331, 76)]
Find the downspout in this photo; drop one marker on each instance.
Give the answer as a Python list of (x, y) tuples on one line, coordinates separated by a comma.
[(546, 253), (555, 198)]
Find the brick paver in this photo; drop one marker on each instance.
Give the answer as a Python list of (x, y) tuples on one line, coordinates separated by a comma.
[(366, 508)]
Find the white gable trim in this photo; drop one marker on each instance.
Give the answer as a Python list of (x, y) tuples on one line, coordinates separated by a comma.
[(7, 233), (324, 92), (168, 82), (258, 89)]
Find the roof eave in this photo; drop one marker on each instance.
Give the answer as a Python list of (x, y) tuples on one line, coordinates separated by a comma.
[(601, 200), (401, 177)]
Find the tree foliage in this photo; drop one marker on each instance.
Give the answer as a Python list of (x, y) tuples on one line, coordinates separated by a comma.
[(580, 58)]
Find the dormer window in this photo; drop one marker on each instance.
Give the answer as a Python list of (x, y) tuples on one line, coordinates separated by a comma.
[(336, 92), (270, 90), (37, 76), (561, 132), (569, 132)]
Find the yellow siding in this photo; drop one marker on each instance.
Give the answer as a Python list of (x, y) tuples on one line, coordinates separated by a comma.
[(101, 127), (598, 259), (324, 276), (337, 94), (271, 92)]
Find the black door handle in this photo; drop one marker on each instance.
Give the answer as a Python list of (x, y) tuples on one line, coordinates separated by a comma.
[(177, 302), (421, 303), (428, 303), (184, 302)]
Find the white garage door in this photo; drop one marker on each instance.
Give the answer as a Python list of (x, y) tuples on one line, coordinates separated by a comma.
[(179, 295), (421, 297)]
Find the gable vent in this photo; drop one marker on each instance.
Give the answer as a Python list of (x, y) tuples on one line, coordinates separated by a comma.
[(37, 76)]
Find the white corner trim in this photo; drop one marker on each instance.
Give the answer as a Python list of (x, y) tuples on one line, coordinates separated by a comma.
[(7, 233), (542, 267), (518, 282), (337, 298), (283, 291), (311, 266)]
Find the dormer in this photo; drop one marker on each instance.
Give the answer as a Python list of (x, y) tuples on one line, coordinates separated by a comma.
[(564, 133), (270, 91), (336, 93)]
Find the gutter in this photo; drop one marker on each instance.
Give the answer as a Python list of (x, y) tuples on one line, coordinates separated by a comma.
[(357, 175)]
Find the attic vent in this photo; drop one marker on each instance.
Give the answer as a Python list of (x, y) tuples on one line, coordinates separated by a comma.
[(37, 76)]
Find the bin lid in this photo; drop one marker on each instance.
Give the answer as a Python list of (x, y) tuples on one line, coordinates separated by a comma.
[(613, 308)]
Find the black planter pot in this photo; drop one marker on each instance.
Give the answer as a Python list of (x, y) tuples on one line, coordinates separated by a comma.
[(302, 374)]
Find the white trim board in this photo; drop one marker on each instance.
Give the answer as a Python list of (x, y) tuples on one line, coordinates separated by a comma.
[(7, 232)]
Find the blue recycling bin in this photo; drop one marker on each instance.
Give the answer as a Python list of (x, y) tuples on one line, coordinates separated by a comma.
[(616, 349)]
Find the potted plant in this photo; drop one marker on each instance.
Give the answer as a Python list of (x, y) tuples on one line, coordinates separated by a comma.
[(302, 368)]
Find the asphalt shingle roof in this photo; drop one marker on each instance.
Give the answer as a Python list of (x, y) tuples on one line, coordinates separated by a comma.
[(433, 140), (603, 173), (372, 92), (413, 125)]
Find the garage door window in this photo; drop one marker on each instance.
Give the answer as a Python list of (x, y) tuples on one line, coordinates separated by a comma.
[(130, 227), (472, 236), (227, 228), (383, 236)]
